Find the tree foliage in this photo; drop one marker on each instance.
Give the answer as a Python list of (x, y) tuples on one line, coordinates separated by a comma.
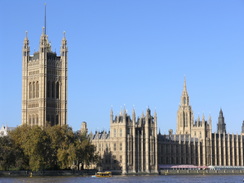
[(35, 148)]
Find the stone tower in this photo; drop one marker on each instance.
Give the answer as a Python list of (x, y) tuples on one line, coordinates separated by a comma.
[(185, 114), (221, 126), (83, 129), (44, 84), (133, 142)]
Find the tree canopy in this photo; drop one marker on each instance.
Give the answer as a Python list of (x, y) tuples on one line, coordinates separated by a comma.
[(35, 148)]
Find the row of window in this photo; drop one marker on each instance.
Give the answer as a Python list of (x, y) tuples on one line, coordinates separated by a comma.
[(183, 120), (115, 132), (120, 147), (51, 119), (33, 119), (177, 160), (34, 89), (101, 148), (53, 89)]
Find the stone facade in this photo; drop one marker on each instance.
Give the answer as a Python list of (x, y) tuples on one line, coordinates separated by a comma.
[(131, 145), (194, 142), (44, 84), (135, 146)]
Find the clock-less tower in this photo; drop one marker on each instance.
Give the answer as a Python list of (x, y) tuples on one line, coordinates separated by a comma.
[(44, 84)]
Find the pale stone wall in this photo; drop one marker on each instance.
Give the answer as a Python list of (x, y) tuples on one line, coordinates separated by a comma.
[(131, 146)]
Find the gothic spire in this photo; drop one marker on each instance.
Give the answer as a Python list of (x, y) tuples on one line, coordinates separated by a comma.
[(221, 126), (26, 35), (185, 90), (184, 97)]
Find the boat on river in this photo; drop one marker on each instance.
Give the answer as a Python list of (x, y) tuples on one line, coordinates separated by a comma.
[(103, 174)]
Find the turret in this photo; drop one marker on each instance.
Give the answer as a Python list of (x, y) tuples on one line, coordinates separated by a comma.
[(185, 114), (133, 116), (111, 115), (155, 116), (45, 46), (64, 48), (210, 126), (25, 59), (83, 128), (26, 48), (184, 96), (221, 126)]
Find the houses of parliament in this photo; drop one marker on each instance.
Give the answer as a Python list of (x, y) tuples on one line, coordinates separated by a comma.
[(133, 144)]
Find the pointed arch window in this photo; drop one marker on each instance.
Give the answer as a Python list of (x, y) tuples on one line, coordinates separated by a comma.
[(186, 120), (52, 120), (34, 89), (37, 89), (114, 132), (48, 89), (57, 90), (33, 120), (29, 119), (37, 119), (30, 90), (121, 133), (53, 89), (57, 121)]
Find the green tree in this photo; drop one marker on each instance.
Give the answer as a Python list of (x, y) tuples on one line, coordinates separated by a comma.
[(38, 149), (62, 141), (85, 151), (19, 137), (35, 148), (35, 144), (7, 153)]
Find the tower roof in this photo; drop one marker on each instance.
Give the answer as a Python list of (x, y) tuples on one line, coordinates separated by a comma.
[(184, 96)]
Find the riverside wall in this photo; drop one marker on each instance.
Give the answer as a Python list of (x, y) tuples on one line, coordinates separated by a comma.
[(47, 173), (92, 172), (201, 172)]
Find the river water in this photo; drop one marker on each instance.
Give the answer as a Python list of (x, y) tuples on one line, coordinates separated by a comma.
[(129, 179)]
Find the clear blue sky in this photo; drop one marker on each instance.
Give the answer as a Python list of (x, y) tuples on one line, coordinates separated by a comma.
[(132, 52)]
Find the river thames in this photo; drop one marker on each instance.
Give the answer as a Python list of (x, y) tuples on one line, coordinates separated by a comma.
[(128, 179)]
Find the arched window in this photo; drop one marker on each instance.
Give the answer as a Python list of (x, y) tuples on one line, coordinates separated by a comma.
[(114, 132), (52, 120), (37, 89), (57, 90), (29, 119), (30, 90), (53, 89), (34, 89), (37, 119), (186, 120), (121, 133), (48, 89), (33, 120), (57, 122)]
